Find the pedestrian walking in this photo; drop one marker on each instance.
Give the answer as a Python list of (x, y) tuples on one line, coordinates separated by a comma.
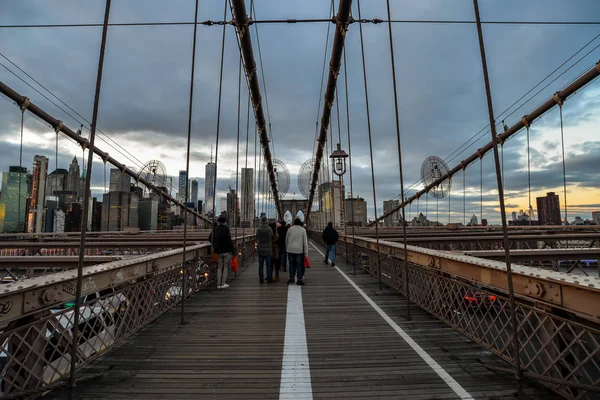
[(282, 231), (296, 244), (264, 239), (223, 246), (330, 238)]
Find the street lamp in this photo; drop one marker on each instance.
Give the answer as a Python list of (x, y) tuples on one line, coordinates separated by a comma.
[(339, 161), (338, 158)]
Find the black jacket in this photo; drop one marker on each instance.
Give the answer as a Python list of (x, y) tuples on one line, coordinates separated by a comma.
[(330, 235), (222, 239), (281, 231)]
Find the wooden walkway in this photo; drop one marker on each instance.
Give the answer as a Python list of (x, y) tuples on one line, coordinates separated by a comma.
[(233, 348)]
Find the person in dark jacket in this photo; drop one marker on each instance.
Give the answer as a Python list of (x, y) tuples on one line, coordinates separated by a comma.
[(330, 238), (275, 256), (282, 231), (264, 248), (220, 238)]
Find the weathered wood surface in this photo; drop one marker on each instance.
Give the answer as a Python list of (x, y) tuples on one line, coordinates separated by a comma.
[(232, 347)]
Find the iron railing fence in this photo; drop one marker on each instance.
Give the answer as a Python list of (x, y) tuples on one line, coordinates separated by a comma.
[(35, 348), (561, 353)]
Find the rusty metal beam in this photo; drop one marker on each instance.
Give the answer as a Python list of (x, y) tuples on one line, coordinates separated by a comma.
[(558, 97), (575, 294), (51, 262), (241, 22), (84, 143), (342, 20), (33, 295)]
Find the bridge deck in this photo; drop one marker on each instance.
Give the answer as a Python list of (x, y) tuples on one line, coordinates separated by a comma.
[(233, 347)]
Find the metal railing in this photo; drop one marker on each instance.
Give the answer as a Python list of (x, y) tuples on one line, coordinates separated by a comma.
[(119, 298), (559, 348)]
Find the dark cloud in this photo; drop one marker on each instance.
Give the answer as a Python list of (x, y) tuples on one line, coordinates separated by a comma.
[(145, 89)]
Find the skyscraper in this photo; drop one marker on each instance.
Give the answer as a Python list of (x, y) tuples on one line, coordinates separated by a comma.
[(233, 209), (181, 191), (56, 181), (392, 219), (195, 192), (247, 194), (209, 189), (35, 218), (548, 209), (12, 220), (72, 183), (119, 211), (356, 211), (119, 181)]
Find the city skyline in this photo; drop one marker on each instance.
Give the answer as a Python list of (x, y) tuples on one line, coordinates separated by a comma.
[(152, 130)]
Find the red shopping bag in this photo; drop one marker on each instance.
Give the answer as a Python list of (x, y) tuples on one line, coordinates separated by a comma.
[(234, 264), (306, 262)]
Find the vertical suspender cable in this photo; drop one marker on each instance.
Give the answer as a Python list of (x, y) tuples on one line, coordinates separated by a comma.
[(21, 175), (237, 161), (513, 317), (332, 208), (187, 163), (562, 142), (255, 178), (245, 181), (350, 163), (464, 196), (449, 196), (86, 208), (481, 190), (530, 208), (218, 127), (406, 278), (362, 49)]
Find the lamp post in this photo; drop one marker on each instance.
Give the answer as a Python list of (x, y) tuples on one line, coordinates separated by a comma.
[(338, 158)]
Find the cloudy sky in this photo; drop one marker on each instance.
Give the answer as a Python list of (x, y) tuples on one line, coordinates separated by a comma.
[(144, 100)]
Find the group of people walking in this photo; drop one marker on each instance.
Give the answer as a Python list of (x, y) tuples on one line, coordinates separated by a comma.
[(279, 246), (278, 243)]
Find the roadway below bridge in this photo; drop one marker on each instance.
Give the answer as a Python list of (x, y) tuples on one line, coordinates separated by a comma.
[(338, 336)]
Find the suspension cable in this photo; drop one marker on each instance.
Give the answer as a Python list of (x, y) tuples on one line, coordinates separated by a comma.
[(513, 317), (362, 49), (397, 113), (218, 124), (86, 209), (21, 230), (350, 163), (530, 208), (562, 142), (187, 165)]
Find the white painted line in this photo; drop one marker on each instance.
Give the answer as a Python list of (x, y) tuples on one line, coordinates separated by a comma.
[(295, 369), (455, 386)]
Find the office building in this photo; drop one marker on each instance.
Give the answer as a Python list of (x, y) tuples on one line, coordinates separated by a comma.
[(474, 221), (194, 198), (393, 219), (72, 181), (596, 217), (148, 214), (247, 198), (233, 209), (14, 200), (210, 173), (58, 225), (119, 181), (181, 195), (200, 205), (73, 217), (355, 211), (119, 211), (56, 181), (548, 209), (35, 217)]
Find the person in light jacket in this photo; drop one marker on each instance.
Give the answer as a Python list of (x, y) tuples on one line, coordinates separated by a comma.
[(296, 245), (264, 248)]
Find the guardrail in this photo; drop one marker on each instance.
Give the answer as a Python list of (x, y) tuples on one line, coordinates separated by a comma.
[(119, 298), (559, 338)]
